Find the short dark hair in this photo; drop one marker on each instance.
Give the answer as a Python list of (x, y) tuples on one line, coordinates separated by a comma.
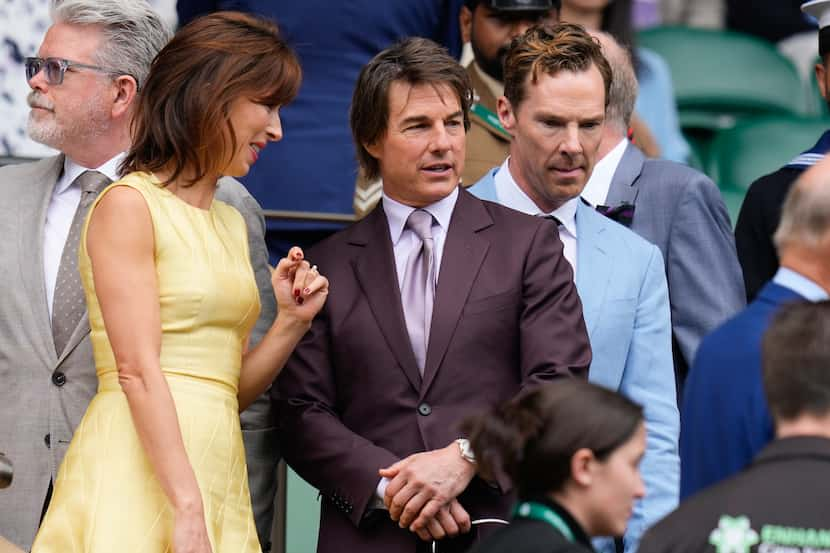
[(182, 119), (414, 61), (532, 438), (796, 360), (549, 50)]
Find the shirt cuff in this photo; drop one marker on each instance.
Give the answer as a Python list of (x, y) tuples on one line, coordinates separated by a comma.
[(380, 491)]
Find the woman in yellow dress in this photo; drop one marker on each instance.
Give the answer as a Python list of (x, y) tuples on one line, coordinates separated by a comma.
[(157, 464)]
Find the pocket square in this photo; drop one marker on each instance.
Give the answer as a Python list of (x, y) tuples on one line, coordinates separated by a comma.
[(623, 213)]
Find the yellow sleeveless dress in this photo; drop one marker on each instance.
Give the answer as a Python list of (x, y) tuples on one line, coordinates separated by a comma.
[(106, 497)]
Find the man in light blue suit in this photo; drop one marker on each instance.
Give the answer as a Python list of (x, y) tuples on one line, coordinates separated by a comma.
[(555, 116)]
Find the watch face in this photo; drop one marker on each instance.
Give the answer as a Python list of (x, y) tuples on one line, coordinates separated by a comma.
[(465, 449)]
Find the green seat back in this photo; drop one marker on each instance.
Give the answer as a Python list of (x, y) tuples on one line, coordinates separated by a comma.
[(759, 146), (733, 199), (721, 77)]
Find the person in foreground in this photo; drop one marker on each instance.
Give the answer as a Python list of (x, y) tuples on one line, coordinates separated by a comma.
[(157, 463), (572, 450), (445, 305), (779, 503)]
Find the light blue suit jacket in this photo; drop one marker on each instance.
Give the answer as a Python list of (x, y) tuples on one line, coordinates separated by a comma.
[(625, 301)]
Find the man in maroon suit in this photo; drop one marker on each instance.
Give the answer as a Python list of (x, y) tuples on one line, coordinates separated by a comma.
[(441, 305)]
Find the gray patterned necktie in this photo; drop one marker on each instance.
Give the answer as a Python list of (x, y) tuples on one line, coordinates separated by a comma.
[(418, 289), (68, 304)]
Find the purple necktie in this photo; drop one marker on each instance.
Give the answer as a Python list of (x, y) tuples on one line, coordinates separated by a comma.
[(418, 289)]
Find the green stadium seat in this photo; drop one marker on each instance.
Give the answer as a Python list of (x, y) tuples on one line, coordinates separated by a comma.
[(759, 146), (721, 77), (733, 199)]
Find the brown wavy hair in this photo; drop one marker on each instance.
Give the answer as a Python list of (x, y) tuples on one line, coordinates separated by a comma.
[(182, 119), (548, 50), (531, 439)]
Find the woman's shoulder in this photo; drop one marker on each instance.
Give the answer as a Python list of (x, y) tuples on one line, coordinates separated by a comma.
[(130, 191), (139, 180)]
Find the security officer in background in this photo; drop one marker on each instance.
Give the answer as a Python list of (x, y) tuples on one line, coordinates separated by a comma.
[(489, 26), (779, 503)]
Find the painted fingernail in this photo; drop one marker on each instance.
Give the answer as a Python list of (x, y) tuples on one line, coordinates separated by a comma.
[(300, 300), (296, 292), (307, 291)]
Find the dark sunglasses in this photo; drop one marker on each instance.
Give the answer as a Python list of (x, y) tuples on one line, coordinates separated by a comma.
[(54, 68)]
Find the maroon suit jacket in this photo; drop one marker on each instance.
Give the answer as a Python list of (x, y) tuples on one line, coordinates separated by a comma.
[(506, 316)]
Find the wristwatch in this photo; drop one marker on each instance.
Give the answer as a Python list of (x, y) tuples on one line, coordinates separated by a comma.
[(465, 450)]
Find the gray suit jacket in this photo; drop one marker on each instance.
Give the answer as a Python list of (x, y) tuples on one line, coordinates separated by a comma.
[(681, 211), (39, 412)]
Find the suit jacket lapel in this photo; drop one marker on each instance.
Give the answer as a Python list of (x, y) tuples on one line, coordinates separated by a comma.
[(77, 335), (624, 182), (375, 271), (593, 264), (32, 215), (464, 251)]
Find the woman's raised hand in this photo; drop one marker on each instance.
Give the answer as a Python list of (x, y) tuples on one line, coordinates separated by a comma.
[(299, 287)]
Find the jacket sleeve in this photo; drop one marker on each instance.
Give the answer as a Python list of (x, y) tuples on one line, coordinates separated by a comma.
[(702, 265), (316, 443), (551, 314), (648, 380), (753, 236)]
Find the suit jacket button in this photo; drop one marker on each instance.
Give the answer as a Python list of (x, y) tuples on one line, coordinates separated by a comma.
[(424, 409), (58, 379)]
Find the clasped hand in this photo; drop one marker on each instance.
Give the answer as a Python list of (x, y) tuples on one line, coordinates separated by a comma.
[(422, 492)]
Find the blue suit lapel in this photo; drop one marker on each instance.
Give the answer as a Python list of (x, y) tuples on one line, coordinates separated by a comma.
[(594, 267), (485, 188)]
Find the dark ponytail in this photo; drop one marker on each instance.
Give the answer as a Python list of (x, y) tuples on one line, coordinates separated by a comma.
[(532, 438)]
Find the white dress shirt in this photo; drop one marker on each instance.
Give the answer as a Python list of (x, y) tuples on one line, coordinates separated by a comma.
[(596, 190), (509, 194), (406, 243), (62, 206)]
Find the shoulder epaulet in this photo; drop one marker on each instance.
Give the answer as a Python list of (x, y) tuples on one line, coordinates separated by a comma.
[(489, 119)]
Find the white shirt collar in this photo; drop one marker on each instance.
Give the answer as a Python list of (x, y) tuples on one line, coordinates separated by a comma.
[(72, 170), (596, 190), (508, 193), (799, 284), (397, 213)]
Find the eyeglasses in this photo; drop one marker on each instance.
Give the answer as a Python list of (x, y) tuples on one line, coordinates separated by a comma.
[(54, 68)]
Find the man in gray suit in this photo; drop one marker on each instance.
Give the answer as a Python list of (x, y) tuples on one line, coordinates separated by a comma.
[(678, 209), (85, 81)]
